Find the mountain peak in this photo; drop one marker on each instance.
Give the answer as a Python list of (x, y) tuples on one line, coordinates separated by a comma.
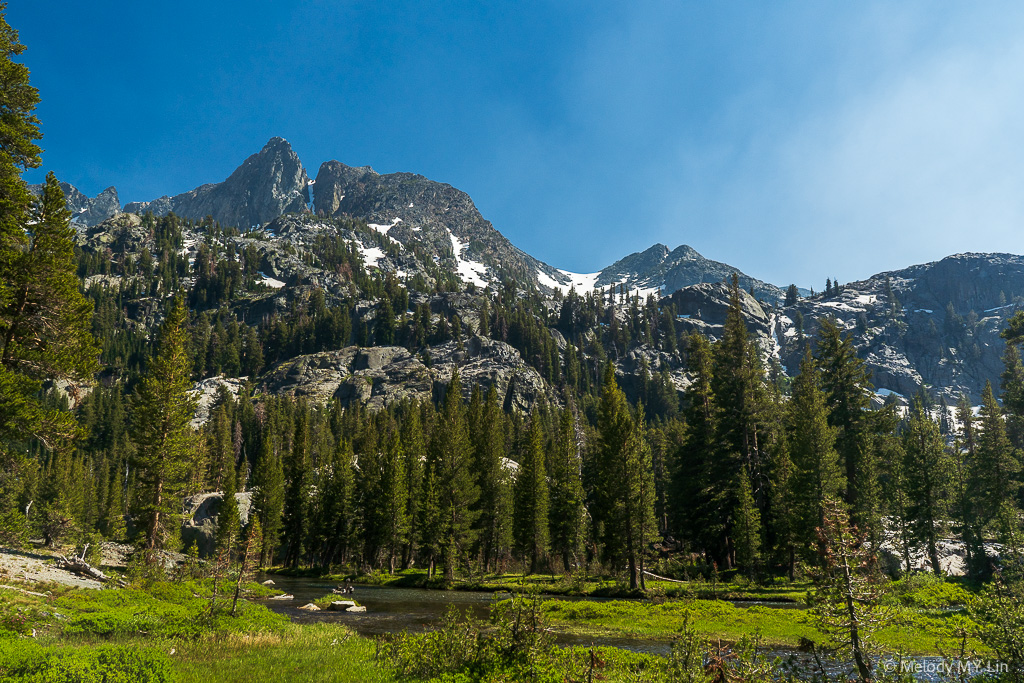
[(268, 184)]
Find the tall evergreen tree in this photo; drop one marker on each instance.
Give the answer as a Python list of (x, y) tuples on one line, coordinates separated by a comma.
[(568, 514), (846, 384), (531, 499), (965, 507), (294, 518), (817, 476), (995, 482), (495, 521), (748, 528), (164, 440), (45, 323), (394, 500), (927, 472), (449, 470), (415, 450), (701, 504), (268, 502)]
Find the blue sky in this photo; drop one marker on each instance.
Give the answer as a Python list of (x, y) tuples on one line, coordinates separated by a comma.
[(794, 140)]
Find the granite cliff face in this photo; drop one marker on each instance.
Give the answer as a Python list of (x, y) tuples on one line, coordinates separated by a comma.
[(661, 269), (268, 184), (933, 326), (413, 210), (87, 210)]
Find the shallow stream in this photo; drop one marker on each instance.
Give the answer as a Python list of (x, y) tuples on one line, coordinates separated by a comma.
[(392, 610)]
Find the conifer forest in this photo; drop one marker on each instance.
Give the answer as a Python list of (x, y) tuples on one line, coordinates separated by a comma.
[(320, 395)]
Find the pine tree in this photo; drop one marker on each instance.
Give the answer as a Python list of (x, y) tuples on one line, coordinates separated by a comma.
[(638, 508), (45, 323), (568, 514), (164, 440), (624, 498), (965, 507), (614, 428), (927, 472), (229, 522), (531, 499), (393, 500), (748, 528), (744, 407), (792, 296), (494, 482), (415, 452), (449, 470), (221, 450), (268, 502), (846, 385), (816, 473), (995, 483), (700, 507), (295, 518)]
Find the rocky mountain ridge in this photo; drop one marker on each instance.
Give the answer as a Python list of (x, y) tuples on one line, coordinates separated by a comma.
[(406, 208), (931, 326)]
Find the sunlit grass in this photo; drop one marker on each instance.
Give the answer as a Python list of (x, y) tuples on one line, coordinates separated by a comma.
[(310, 652)]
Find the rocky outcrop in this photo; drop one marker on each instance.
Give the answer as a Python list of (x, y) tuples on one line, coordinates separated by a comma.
[(661, 269), (704, 307), (268, 184), (412, 209), (86, 210), (208, 391), (201, 513), (932, 327), (380, 376)]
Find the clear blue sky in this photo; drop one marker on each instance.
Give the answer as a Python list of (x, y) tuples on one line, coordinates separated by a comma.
[(794, 140)]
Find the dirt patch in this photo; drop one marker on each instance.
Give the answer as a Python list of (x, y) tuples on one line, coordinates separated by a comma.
[(31, 567)]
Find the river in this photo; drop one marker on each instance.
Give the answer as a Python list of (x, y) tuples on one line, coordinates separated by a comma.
[(392, 610)]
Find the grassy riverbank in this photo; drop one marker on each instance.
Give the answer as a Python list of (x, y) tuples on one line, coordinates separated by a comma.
[(168, 632), (918, 632), (572, 585), (177, 631)]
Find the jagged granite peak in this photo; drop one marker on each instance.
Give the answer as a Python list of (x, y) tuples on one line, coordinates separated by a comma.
[(84, 209), (933, 326), (665, 270), (268, 184), (412, 209)]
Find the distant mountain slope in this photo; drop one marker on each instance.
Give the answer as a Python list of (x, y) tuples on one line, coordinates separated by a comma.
[(931, 326), (665, 270), (87, 210), (411, 209), (414, 212), (268, 184)]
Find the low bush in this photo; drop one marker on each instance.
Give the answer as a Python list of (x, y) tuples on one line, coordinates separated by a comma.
[(24, 661)]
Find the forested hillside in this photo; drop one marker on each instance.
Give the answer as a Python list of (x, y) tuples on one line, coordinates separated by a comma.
[(418, 392)]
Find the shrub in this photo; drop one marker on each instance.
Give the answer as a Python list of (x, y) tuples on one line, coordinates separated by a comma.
[(27, 662)]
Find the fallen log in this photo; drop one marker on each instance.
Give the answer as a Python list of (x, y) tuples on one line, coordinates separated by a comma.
[(81, 567), (662, 578)]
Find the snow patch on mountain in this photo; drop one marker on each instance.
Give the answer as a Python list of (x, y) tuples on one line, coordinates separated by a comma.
[(270, 282), (383, 229), (469, 271), (371, 256)]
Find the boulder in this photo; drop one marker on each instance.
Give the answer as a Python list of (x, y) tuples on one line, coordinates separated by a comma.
[(203, 510), (286, 596), (356, 609), (310, 607), (341, 605)]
